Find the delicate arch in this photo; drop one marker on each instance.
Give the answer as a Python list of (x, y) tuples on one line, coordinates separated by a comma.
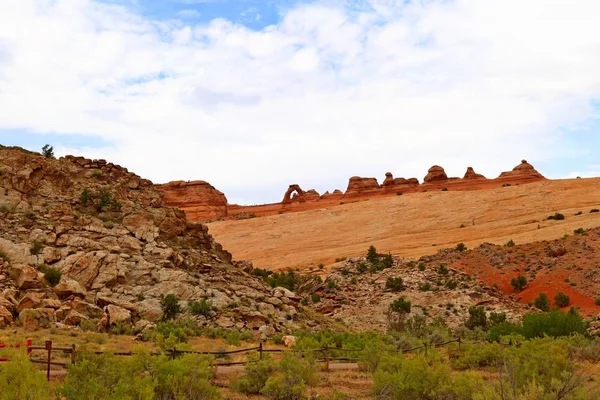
[(287, 198)]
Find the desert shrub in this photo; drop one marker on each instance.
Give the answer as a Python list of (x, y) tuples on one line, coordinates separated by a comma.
[(556, 217), (401, 305), (451, 284), (170, 306), (504, 329), (442, 270), (256, 376), (290, 381), (36, 248), (332, 284), (201, 307), (542, 302), (510, 243), (187, 377), (594, 210), (476, 355), (461, 247), (597, 301), (315, 297), (421, 377), (4, 256), (263, 273), (287, 279), (387, 261), (497, 318), (579, 231), (362, 267), (396, 314), (477, 318), (372, 255), (554, 324), (444, 189), (100, 201), (344, 272), (398, 193), (519, 282), (562, 300), (321, 266), (121, 328), (52, 275), (20, 379), (340, 259), (48, 151), (421, 267), (394, 284), (426, 287)]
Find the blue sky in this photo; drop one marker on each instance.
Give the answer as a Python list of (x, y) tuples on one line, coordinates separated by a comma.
[(255, 95)]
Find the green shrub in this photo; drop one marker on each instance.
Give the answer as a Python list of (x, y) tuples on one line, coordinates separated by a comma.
[(426, 287), (321, 266), (340, 259), (510, 243), (542, 302), (519, 282), (52, 275), (332, 284), (293, 376), (170, 306), (442, 270), (556, 217), (461, 247), (594, 210), (387, 261), (315, 297), (398, 193), (202, 307), (362, 267), (554, 324), (562, 300), (579, 231), (394, 284), (20, 379), (597, 301), (256, 376), (497, 318), (400, 305), (451, 284), (477, 318), (48, 151), (421, 267), (372, 255), (36, 248)]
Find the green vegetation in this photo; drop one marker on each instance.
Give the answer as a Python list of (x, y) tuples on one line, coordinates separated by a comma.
[(579, 231), (442, 270), (597, 302), (561, 299), (426, 287), (510, 243), (518, 283), (542, 302), (48, 151), (20, 379), (170, 306), (202, 307), (421, 267), (315, 298), (556, 217), (101, 201), (394, 284), (372, 255), (398, 193), (461, 247), (4, 256), (52, 275), (36, 248), (477, 318), (287, 279)]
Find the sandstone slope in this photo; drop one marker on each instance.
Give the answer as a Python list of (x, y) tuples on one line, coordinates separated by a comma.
[(118, 248)]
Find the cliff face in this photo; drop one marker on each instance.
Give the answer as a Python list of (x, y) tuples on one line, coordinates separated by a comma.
[(198, 199), (119, 250)]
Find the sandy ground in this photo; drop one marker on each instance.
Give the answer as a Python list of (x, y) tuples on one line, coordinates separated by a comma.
[(412, 225)]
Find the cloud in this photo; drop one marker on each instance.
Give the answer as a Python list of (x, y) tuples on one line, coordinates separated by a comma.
[(335, 89), (189, 13)]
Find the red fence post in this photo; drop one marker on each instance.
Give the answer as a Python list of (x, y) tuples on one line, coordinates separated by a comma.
[(28, 344)]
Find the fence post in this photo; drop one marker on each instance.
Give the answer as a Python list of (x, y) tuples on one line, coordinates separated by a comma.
[(49, 349), (260, 349), (459, 343), (73, 355), (425, 349), (326, 358), (29, 344)]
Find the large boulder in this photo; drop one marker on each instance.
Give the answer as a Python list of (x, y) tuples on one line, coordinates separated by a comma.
[(36, 318), (30, 300), (25, 277), (435, 174), (358, 185), (117, 314), (199, 199), (6, 317), (69, 287)]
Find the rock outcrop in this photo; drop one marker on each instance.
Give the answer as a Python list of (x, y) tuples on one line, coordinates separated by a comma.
[(118, 250), (471, 174), (198, 199), (522, 173), (358, 185), (435, 174)]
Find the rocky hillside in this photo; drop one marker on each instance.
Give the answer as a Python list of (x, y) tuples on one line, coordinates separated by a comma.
[(118, 250)]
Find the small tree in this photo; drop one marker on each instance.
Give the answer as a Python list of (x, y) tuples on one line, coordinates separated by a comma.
[(387, 261), (518, 283), (394, 284), (170, 306), (372, 255), (562, 300), (202, 307), (48, 151), (497, 318), (52, 276), (477, 318), (397, 312), (542, 302), (461, 247)]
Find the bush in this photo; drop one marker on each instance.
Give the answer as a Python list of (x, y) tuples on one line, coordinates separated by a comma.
[(48, 151), (594, 210), (394, 284), (290, 381), (372, 255), (518, 283), (362, 268), (477, 318), (52, 275), (542, 302), (562, 300), (170, 306), (398, 193), (597, 301), (556, 217), (442, 270), (579, 231), (36, 248), (256, 376), (400, 305), (444, 189), (20, 379), (315, 297), (451, 284), (202, 307), (426, 287), (554, 324), (421, 267), (387, 261), (497, 318), (461, 247)]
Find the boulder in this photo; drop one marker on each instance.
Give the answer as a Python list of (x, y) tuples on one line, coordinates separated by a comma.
[(289, 341), (435, 174), (6, 317), (36, 318), (25, 277), (142, 226), (117, 314), (69, 287), (74, 318), (87, 309), (30, 300)]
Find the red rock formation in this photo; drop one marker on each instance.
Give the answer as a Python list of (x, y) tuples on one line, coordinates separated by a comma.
[(336, 194), (391, 184), (198, 199), (287, 197), (471, 174), (358, 185), (522, 173), (295, 194), (435, 174)]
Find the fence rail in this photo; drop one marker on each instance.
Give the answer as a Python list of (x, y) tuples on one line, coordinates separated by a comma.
[(328, 354)]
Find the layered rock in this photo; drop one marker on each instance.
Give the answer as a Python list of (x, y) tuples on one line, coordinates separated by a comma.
[(522, 173), (435, 174), (118, 248), (336, 194), (198, 199), (358, 185), (295, 194), (391, 184), (471, 174)]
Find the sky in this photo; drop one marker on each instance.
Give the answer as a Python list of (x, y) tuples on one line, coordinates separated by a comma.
[(254, 95)]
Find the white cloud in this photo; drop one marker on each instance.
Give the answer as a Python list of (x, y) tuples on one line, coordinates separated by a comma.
[(189, 13), (328, 93)]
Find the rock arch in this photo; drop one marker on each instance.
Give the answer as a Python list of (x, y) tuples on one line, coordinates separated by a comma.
[(287, 198)]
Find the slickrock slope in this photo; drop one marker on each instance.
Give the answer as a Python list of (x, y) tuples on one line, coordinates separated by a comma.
[(119, 251), (198, 199)]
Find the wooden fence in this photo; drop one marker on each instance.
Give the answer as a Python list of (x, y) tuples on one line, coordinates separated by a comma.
[(326, 354)]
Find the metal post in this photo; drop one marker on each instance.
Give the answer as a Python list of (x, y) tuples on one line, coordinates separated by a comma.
[(260, 349), (49, 349)]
